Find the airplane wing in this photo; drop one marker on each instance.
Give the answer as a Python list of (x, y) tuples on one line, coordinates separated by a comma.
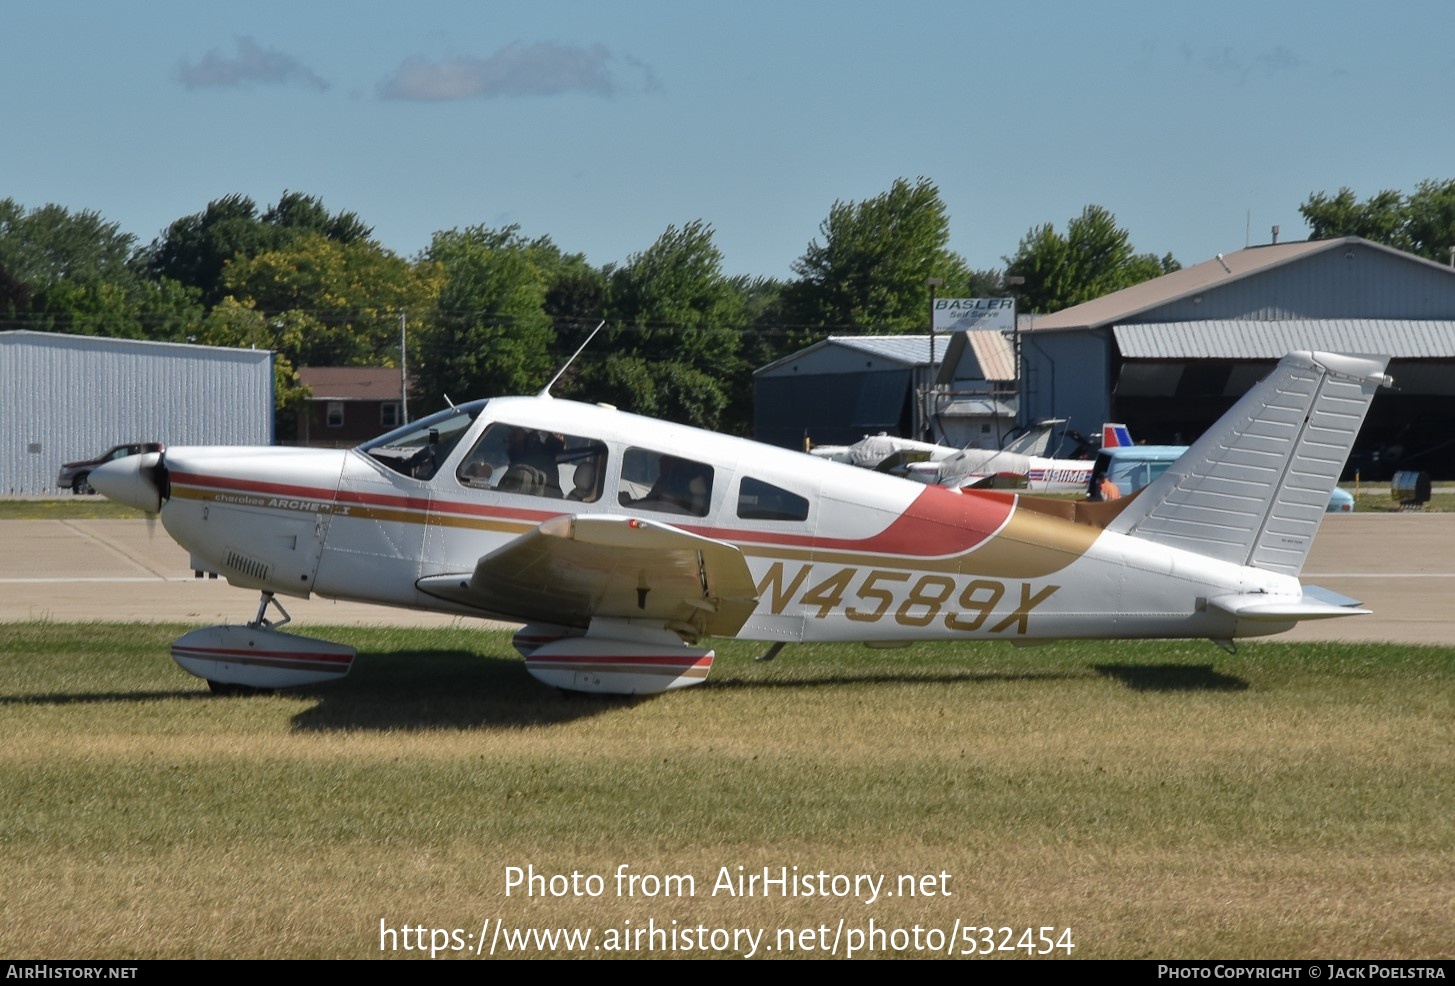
[(572, 569)]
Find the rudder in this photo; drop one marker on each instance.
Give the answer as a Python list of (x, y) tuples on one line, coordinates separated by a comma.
[(1252, 490)]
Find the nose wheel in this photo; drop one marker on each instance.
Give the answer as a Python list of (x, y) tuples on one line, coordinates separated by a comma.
[(259, 658), (259, 622)]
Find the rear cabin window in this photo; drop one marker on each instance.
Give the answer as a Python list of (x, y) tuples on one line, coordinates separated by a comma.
[(758, 500), (666, 483), (514, 459)]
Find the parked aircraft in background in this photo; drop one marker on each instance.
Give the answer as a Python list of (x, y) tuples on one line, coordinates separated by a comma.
[(1023, 464), (872, 451), (623, 543)]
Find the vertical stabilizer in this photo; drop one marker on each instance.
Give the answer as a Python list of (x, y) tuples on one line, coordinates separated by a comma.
[(1254, 487), (1115, 436)]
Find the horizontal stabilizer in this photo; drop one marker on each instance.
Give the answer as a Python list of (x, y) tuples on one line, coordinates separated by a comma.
[(1261, 606), (1253, 489)]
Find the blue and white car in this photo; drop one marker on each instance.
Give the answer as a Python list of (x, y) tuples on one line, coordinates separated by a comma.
[(1122, 471)]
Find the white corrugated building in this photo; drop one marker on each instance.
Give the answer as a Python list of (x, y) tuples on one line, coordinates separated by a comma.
[(68, 397)]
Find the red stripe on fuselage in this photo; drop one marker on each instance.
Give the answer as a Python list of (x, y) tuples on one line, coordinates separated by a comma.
[(937, 523)]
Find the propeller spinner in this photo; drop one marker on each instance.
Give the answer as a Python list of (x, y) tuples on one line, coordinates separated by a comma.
[(138, 481)]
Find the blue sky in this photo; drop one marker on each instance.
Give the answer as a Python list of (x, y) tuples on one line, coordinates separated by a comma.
[(1199, 125)]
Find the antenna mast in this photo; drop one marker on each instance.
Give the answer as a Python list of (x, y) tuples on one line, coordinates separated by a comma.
[(546, 390)]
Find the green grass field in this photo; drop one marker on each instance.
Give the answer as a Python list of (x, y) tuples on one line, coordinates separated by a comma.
[(68, 508), (1158, 800)]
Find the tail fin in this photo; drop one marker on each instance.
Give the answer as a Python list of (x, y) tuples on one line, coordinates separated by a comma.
[(1253, 488), (1115, 436)]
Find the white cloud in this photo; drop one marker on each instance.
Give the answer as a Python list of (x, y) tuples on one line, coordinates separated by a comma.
[(540, 69), (253, 64)]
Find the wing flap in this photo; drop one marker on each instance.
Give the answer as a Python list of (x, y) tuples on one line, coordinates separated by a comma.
[(572, 569)]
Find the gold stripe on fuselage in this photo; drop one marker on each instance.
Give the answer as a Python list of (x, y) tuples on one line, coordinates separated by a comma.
[(1029, 545)]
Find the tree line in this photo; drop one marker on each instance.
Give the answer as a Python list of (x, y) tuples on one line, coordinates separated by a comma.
[(493, 311)]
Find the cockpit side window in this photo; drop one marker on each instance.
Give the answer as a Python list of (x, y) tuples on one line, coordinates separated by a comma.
[(667, 483), (515, 459), (758, 500)]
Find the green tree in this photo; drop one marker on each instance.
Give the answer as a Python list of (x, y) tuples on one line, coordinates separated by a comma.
[(51, 244), (764, 338), (196, 249), (73, 272), (671, 308), (490, 334), (674, 302), (1431, 223), (14, 299), (870, 272), (1093, 259), (661, 389), (1382, 218), (1422, 223), (232, 323), (353, 294), (298, 213)]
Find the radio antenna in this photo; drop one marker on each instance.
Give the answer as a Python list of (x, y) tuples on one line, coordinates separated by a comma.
[(546, 390)]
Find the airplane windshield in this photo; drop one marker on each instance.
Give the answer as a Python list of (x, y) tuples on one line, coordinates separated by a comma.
[(417, 449)]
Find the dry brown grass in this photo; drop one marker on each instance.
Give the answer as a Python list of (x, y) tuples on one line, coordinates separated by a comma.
[(1159, 800)]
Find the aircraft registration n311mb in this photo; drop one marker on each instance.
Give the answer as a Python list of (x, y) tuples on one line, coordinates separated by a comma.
[(624, 544)]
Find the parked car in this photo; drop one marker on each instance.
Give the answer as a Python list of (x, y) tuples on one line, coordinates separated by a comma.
[(1121, 471), (1341, 501), (76, 476)]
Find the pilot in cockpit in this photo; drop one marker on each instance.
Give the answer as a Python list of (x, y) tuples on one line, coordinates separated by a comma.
[(534, 462)]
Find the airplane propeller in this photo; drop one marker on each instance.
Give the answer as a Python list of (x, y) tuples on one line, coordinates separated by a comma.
[(139, 481)]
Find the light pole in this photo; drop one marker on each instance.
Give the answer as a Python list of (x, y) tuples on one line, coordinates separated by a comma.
[(933, 282), (1011, 283)]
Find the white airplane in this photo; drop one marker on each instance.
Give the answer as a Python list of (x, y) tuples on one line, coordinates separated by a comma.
[(1022, 464), (871, 451), (623, 544)]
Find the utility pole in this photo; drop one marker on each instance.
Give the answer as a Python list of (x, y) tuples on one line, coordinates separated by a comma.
[(934, 283), (403, 370)]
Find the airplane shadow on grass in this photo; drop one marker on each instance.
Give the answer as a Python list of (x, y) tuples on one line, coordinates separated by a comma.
[(443, 689), (405, 689), (460, 689), (457, 689), (1172, 677)]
